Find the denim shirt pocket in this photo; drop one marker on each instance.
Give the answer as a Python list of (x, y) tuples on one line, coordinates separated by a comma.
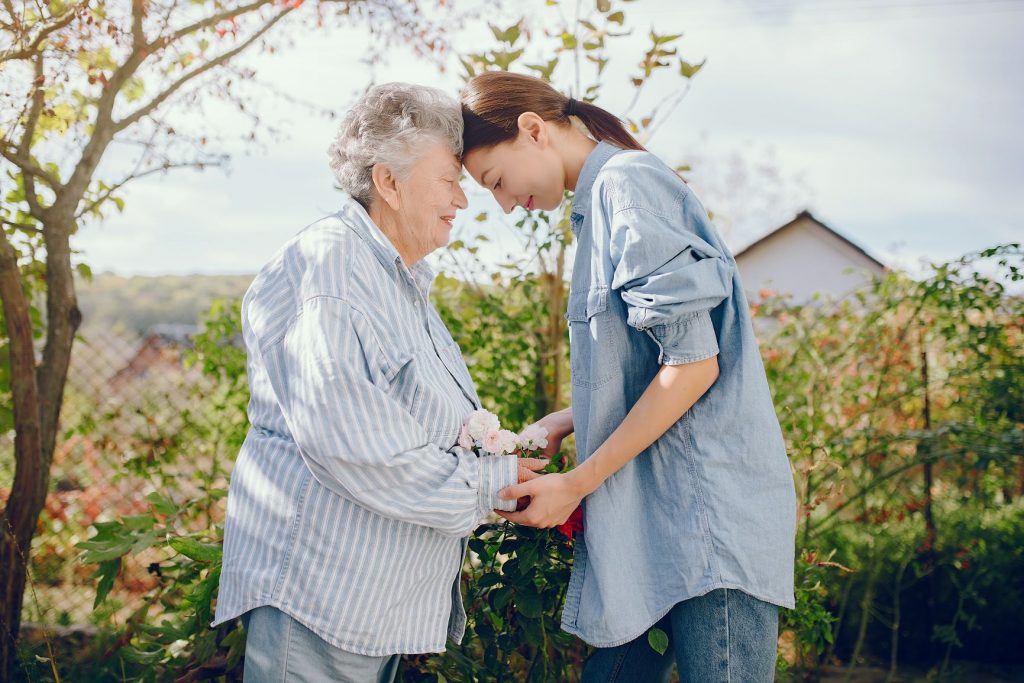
[(587, 314)]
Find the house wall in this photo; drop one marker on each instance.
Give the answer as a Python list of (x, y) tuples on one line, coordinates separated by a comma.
[(801, 260)]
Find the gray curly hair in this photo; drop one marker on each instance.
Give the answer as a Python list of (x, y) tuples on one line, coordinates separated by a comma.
[(388, 125)]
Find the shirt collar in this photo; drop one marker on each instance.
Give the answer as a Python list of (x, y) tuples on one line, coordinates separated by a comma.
[(360, 221), (588, 174)]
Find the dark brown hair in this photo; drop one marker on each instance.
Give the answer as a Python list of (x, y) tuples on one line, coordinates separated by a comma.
[(493, 101)]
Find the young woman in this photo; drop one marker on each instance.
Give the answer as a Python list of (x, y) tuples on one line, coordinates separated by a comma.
[(688, 499)]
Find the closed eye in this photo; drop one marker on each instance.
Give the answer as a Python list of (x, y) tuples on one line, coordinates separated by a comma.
[(497, 184)]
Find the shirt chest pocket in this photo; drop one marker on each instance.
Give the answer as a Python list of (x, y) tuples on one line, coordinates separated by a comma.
[(425, 388), (591, 341)]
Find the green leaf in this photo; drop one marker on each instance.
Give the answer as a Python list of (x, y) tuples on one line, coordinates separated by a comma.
[(544, 71), (142, 656), (509, 35), (667, 38), (658, 640), (138, 522), (193, 549), (163, 505), (528, 603), (617, 17), (688, 70), (503, 60), (235, 642), (134, 89), (112, 540), (146, 540), (488, 580), (106, 572), (603, 5), (528, 556), (501, 597)]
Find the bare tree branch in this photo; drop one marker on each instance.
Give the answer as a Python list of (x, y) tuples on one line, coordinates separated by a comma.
[(148, 108), (25, 227), (28, 51), (138, 13), (211, 20), (162, 168), (35, 110), (28, 166)]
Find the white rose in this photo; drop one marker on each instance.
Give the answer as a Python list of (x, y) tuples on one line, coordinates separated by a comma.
[(465, 440), (533, 438), (507, 441), (480, 423)]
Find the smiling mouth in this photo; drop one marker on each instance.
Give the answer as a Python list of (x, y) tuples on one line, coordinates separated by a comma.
[(448, 220)]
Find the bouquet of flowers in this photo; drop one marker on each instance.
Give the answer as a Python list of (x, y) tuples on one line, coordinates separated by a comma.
[(482, 432)]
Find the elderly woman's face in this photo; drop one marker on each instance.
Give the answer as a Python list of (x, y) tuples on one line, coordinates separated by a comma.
[(429, 198)]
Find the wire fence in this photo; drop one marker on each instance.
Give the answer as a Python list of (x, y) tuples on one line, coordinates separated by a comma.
[(129, 414)]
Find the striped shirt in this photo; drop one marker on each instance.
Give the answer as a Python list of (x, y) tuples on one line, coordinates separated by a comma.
[(350, 502)]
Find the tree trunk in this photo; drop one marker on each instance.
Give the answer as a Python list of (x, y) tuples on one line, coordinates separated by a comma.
[(865, 617), (28, 491), (37, 398), (894, 635), (931, 533), (547, 387)]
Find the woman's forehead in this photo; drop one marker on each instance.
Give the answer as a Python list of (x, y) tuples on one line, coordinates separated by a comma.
[(441, 157)]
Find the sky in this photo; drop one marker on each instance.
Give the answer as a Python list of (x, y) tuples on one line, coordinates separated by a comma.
[(895, 122)]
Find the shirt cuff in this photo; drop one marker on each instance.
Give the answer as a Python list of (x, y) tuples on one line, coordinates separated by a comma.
[(685, 341), (496, 473)]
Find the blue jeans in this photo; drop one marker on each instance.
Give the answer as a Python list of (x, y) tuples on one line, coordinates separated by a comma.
[(278, 649), (724, 636)]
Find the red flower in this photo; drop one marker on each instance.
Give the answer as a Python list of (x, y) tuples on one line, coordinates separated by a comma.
[(572, 525)]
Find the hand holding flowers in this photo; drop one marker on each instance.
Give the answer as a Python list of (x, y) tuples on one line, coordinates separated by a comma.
[(482, 432), (554, 498), (544, 501)]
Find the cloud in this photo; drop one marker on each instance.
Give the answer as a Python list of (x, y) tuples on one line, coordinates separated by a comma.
[(904, 129)]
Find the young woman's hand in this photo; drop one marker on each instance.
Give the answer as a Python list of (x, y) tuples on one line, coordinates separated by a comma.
[(559, 425), (553, 497), (529, 468)]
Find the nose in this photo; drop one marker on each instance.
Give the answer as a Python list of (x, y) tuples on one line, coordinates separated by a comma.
[(506, 202), (461, 202)]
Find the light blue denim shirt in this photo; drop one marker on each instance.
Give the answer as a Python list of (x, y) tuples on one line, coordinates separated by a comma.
[(711, 503)]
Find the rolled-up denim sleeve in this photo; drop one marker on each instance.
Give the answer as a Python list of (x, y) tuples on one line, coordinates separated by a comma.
[(361, 443), (669, 276)]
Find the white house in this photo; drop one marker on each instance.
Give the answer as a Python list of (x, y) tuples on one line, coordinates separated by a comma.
[(802, 257)]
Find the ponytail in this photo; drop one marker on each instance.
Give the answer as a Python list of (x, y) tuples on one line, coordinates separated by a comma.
[(493, 101)]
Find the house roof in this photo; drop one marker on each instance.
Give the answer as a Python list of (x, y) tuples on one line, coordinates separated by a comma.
[(806, 215)]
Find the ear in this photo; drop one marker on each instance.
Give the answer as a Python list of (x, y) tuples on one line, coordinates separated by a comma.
[(386, 184), (533, 127)]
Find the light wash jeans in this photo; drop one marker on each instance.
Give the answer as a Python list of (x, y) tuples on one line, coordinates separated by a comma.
[(278, 649), (725, 636)]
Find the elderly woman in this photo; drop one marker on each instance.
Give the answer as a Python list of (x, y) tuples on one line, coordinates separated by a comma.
[(350, 502)]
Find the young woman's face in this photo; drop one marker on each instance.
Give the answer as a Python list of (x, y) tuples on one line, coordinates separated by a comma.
[(525, 172)]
